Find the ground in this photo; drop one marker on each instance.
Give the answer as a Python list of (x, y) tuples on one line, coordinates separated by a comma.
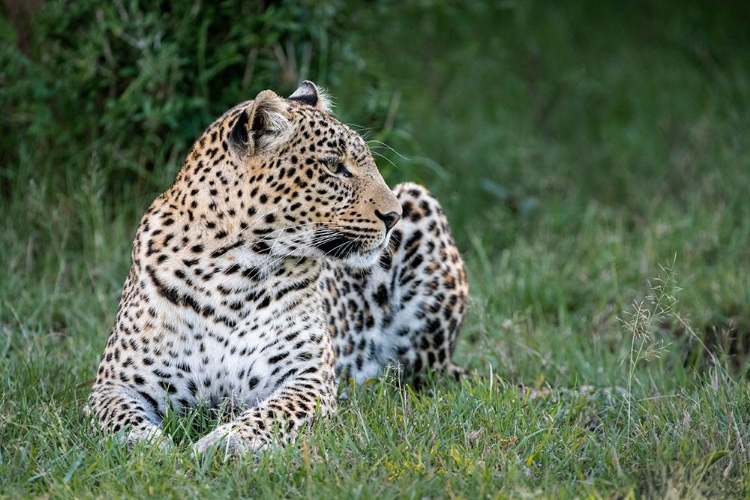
[(595, 166)]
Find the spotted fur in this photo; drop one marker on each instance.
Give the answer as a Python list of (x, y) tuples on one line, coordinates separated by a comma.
[(275, 264)]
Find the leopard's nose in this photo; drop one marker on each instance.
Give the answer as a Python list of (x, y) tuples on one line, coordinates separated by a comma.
[(389, 218)]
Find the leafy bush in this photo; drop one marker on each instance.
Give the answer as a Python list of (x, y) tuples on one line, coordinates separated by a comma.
[(130, 84)]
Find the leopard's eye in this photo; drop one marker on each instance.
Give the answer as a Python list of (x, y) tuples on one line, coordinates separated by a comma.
[(336, 166)]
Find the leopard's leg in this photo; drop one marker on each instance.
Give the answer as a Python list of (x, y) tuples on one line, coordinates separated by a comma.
[(407, 311), (279, 418), (121, 408), (428, 281)]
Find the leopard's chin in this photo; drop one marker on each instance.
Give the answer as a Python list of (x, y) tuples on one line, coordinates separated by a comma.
[(363, 260), (366, 259)]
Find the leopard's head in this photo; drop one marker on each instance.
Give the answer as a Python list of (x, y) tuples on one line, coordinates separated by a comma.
[(312, 186)]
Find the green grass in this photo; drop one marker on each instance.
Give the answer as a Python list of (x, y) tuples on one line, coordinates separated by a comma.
[(590, 159)]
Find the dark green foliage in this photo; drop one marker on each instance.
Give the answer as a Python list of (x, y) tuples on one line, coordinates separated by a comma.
[(134, 83)]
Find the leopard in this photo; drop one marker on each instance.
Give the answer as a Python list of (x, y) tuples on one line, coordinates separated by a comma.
[(278, 266)]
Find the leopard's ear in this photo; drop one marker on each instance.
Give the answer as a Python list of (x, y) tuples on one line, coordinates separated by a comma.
[(308, 93), (261, 125)]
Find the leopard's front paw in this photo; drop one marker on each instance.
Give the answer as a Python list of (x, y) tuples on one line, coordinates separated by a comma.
[(151, 436), (227, 440)]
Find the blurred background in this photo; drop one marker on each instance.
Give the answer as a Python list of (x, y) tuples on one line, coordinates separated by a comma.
[(582, 150)]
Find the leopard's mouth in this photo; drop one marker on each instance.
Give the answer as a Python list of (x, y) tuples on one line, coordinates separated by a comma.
[(339, 246), (350, 249)]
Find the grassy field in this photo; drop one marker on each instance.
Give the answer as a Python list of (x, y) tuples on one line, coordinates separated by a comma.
[(595, 165)]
